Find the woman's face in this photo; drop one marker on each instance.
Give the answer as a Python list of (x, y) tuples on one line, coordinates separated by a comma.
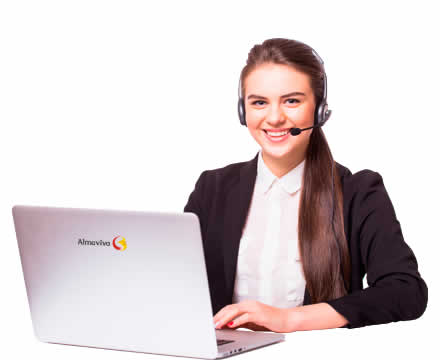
[(278, 97)]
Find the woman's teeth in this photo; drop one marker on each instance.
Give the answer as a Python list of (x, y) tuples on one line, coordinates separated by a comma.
[(277, 133), (277, 137)]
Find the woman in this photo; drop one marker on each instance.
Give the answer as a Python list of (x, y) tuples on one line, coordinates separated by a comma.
[(289, 235)]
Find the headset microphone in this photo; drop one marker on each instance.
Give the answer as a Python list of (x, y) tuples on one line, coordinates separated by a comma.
[(297, 131)]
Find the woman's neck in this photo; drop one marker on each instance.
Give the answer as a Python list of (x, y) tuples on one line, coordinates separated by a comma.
[(281, 166)]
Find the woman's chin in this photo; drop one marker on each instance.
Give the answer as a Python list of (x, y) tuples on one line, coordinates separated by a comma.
[(279, 153)]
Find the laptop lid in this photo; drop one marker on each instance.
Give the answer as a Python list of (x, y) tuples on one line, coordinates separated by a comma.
[(125, 280)]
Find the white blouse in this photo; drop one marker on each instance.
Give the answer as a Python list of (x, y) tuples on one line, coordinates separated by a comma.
[(269, 269)]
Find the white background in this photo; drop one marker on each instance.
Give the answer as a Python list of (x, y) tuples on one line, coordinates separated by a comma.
[(122, 104)]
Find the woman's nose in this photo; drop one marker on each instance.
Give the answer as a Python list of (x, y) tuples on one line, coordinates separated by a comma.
[(276, 115)]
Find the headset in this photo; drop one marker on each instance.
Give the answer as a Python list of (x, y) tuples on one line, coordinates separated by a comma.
[(321, 115)]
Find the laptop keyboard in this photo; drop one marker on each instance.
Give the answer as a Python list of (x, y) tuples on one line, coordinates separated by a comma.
[(223, 342)]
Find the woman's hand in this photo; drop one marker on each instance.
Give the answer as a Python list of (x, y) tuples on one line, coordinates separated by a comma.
[(253, 315)]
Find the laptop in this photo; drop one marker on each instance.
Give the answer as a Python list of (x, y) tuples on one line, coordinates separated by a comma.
[(123, 280)]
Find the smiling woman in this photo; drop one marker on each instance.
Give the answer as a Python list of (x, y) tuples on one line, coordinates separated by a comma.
[(272, 115), (270, 72), (311, 228)]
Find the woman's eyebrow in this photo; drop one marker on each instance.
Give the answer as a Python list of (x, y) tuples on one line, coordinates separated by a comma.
[(294, 93)]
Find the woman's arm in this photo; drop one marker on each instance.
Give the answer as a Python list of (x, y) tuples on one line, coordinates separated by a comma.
[(395, 291), (314, 317), (308, 317)]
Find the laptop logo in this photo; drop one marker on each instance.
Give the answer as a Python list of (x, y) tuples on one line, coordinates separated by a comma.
[(121, 242)]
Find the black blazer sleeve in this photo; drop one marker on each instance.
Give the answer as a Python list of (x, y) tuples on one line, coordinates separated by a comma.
[(396, 290), (196, 201)]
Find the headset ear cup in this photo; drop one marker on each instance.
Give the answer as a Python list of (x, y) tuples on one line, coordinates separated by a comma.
[(322, 114), (241, 112), (325, 113), (319, 114)]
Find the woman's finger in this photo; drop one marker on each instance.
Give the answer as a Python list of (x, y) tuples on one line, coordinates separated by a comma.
[(240, 320), (221, 313), (228, 315)]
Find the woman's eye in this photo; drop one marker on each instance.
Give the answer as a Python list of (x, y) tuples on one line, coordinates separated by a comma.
[(258, 102)]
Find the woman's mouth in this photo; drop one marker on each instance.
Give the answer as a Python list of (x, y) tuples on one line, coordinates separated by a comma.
[(277, 138)]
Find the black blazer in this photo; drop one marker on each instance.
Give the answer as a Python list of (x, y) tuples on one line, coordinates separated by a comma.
[(221, 200)]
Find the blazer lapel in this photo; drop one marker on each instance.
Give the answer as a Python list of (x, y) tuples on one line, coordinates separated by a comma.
[(238, 203)]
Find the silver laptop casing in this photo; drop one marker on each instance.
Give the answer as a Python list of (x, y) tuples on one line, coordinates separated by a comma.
[(152, 297)]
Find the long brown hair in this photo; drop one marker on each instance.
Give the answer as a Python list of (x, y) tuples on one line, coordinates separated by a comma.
[(322, 243)]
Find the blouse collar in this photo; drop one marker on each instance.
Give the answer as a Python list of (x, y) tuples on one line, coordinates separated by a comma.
[(291, 182)]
